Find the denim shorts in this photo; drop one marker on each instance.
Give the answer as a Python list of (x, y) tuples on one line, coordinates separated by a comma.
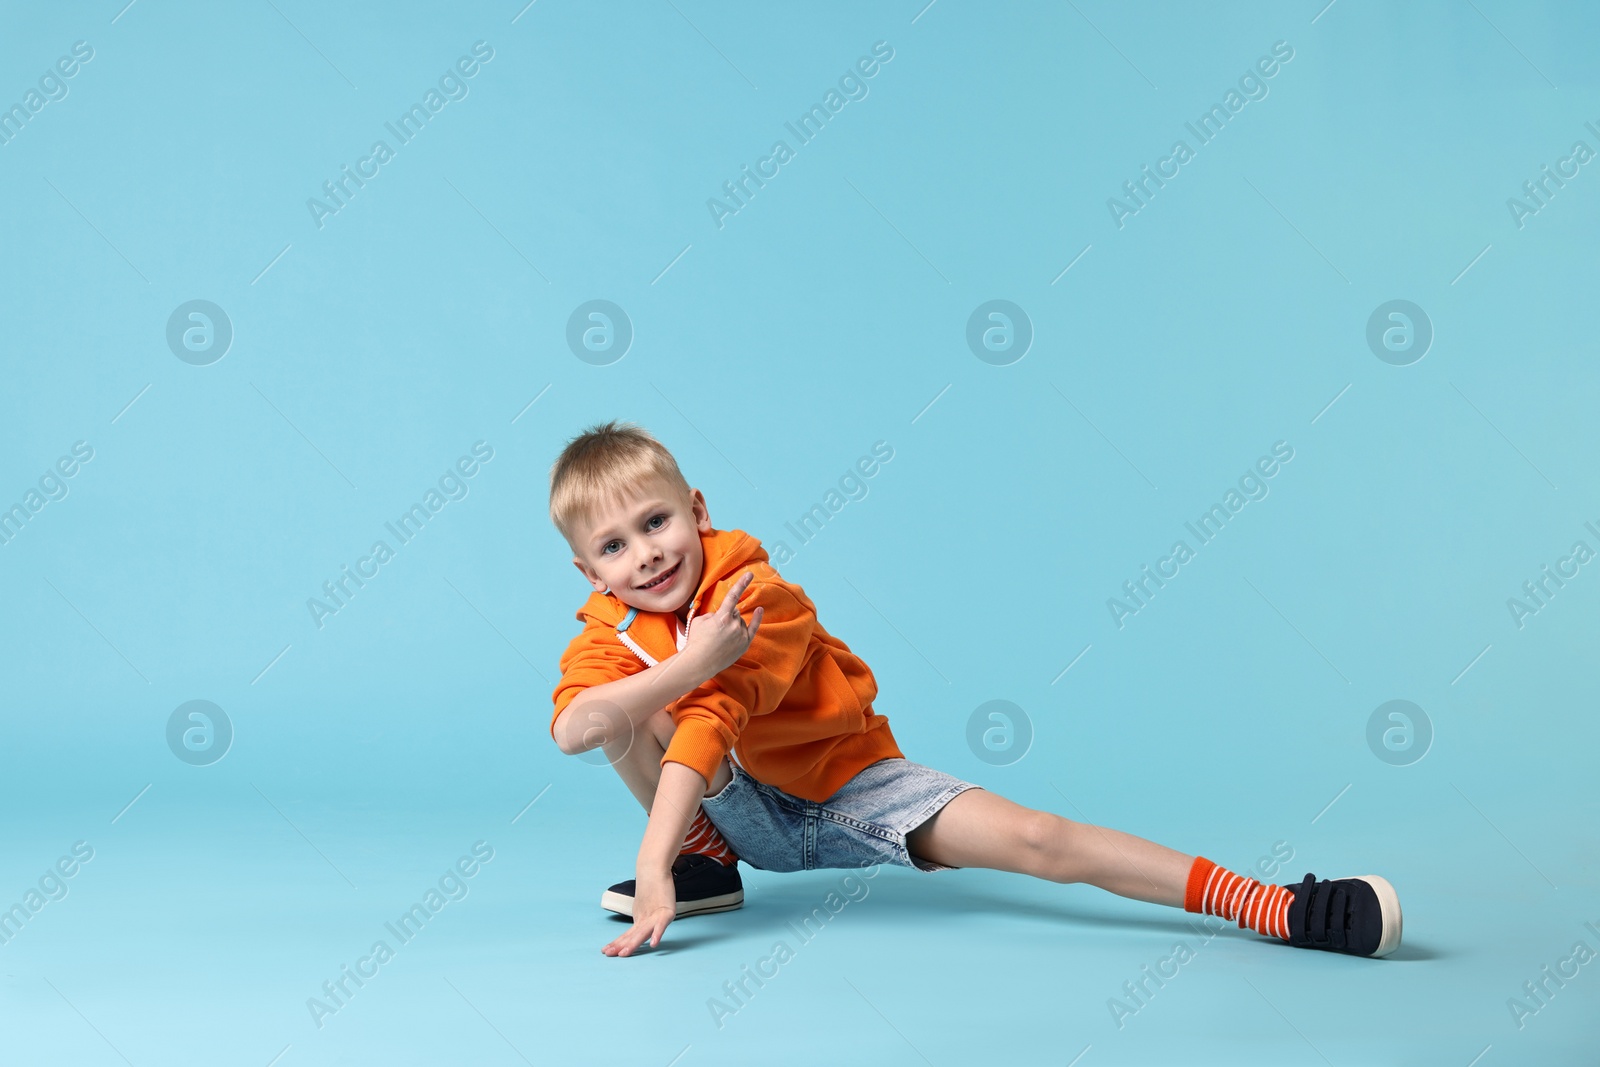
[(864, 823)]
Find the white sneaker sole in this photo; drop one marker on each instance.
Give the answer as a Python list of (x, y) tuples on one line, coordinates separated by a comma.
[(1389, 906), (623, 905)]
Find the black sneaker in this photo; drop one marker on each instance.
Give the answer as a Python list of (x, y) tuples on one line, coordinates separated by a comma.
[(1357, 916), (702, 886)]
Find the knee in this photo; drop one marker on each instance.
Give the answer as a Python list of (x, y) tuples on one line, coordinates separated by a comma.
[(661, 727), (1039, 833), (1052, 846), (645, 743), (1047, 843)]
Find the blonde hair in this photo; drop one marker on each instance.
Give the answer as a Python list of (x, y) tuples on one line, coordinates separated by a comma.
[(601, 466)]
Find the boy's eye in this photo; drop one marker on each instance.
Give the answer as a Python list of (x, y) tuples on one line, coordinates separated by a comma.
[(606, 550)]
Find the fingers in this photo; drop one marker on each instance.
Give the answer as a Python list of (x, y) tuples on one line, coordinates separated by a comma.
[(755, 623), (626, 943), (730, 599), (730, 602), (642, 930), (659, 927)]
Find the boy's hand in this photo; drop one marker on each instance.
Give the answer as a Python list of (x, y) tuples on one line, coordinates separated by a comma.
[(719, 638), (655, 904)]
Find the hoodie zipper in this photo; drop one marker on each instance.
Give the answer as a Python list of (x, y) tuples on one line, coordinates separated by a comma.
[(633, 646)]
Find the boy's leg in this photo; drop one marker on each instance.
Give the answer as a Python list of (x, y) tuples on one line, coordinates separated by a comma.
[(983, 829), (978, 828)]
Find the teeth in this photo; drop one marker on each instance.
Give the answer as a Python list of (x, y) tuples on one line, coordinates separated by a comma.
[(657, 580)]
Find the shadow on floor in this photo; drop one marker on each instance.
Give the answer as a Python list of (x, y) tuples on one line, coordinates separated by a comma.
[(920, 903)]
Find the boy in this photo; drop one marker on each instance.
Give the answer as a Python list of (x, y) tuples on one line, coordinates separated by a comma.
[(669, 680)]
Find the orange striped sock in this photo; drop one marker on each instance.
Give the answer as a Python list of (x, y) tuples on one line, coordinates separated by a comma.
[(705, 839), (1216, 890)]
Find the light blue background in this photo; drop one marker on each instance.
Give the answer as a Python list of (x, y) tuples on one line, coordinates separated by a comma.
[(828, 314)]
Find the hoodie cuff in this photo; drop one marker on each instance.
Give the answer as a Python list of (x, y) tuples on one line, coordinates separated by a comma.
[(698, 745)]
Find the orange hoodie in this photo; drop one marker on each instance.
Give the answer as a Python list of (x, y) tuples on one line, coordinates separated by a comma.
[(795, 710)]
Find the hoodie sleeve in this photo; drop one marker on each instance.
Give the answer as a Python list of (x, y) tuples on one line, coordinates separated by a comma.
[(594, 657), (710, 718)]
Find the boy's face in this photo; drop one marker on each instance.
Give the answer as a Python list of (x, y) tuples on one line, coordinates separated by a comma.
[(654, 531)]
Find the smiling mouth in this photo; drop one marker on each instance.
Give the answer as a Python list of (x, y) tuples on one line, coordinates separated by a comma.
[(662, 577)]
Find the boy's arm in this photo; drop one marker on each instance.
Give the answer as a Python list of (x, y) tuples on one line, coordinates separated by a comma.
[(601, 712), (654, 899), (710, 718), (720, 641)]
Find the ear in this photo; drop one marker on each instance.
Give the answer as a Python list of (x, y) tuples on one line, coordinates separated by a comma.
[(701, 513), (590, 576)]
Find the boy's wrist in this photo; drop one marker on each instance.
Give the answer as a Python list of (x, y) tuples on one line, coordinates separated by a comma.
[(652, 871), (689, 669)]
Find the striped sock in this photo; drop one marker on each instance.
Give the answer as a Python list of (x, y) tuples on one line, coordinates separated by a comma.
[(1216, 890), (705, 839)]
